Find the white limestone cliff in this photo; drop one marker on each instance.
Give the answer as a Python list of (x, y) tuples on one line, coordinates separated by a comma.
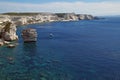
[(8, 32)]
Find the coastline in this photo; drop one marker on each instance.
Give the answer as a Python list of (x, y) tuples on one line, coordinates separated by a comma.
[(32, 18), (69, 51), (9, 22)]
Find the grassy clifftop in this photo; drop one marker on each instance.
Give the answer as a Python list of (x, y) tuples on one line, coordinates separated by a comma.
[(20, 14)]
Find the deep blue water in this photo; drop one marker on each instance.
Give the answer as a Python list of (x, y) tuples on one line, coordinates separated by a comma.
[(79, 50)]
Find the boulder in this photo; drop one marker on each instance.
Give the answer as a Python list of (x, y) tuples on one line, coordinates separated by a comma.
[(11, 45), (6, 42), (1, 42), (29, 35)]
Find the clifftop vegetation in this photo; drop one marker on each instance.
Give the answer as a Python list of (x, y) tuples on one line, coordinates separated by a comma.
[(20, 14)]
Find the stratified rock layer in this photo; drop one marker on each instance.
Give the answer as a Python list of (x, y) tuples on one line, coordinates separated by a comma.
[(29, 35)]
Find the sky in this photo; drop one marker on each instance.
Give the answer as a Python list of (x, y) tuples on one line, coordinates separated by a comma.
[(94, 7)]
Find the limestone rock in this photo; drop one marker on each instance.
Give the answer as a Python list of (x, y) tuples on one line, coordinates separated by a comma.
[(67, 17), (1, 42), (32, 18), (6, 42), (29, 35), (11, 45), (85, 17), (8, 33), (70, 16)]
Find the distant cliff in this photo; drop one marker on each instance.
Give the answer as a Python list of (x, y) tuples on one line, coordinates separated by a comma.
[(30, 18)]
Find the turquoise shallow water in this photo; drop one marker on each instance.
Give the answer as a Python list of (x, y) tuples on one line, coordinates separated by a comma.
[(79, 50)]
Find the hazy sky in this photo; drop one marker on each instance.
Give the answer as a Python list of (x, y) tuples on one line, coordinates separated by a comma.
[(95, 7)]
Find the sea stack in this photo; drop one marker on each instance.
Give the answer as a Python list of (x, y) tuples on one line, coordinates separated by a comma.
[(29, 35), (8, 32)]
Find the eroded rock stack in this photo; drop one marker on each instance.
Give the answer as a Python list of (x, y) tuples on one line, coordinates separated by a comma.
[(8, 33), (29, 35)]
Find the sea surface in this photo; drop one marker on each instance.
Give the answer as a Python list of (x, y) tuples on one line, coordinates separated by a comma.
[(78, 50)]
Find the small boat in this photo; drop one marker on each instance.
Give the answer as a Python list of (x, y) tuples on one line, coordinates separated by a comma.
[(51, 35)]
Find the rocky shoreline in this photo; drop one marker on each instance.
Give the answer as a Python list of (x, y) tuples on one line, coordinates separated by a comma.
[(9, 21)]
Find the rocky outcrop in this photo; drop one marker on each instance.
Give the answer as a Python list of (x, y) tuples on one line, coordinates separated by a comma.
[(8, 44), (70, 17), (1, 42), (8, 32), (11, 45), (29, 35), (4, 18), (85, 17)]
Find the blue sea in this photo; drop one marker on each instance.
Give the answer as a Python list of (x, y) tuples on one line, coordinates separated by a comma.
[(79, 50)]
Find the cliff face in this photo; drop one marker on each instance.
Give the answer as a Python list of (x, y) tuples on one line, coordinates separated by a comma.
[(23, 20), (30, 18), (85, 17), (70, 17), (74, 17)]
